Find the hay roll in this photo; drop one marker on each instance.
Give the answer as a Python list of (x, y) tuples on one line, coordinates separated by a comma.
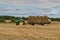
[(7, 21)]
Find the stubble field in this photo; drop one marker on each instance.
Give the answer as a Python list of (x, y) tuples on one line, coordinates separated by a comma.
[(30, 32)]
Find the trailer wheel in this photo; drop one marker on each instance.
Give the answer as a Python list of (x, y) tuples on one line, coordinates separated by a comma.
[(32, 24), (42, 23)]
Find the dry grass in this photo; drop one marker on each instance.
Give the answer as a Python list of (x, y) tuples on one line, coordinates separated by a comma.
[(30, 32)]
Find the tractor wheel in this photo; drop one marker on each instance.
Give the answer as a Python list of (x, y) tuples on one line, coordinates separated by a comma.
[(17, 23)]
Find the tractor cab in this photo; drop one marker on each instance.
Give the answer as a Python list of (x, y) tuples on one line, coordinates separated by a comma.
[(20, 21), (17, 22)]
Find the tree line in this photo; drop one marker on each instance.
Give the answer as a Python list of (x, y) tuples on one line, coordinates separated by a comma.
[(55, 19), (12, 18)]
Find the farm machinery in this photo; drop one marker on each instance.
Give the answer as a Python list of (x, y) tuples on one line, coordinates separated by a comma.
[(41, 20)]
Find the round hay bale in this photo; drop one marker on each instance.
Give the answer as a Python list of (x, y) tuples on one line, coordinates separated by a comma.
[(7, 21)]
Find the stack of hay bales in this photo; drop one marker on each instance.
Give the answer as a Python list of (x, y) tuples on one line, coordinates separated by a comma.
[(38, 20), (30, 20), (46, 20)]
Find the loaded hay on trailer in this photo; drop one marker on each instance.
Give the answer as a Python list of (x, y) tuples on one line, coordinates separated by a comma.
[(38, 20)]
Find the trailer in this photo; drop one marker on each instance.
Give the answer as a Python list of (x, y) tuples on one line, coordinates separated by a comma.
[(38, 20)]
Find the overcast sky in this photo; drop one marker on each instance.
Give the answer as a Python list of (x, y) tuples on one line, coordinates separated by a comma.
[(30, 7)]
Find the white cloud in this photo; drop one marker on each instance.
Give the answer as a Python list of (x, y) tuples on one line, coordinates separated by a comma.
[(37, 3), (45, 5)]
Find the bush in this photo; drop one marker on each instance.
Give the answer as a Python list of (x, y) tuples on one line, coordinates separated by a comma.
[(2, 20)]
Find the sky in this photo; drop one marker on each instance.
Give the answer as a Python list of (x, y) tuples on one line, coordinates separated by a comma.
[(30, 8)]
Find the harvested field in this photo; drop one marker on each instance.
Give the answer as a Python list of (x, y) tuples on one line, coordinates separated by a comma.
[(30, 32)]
